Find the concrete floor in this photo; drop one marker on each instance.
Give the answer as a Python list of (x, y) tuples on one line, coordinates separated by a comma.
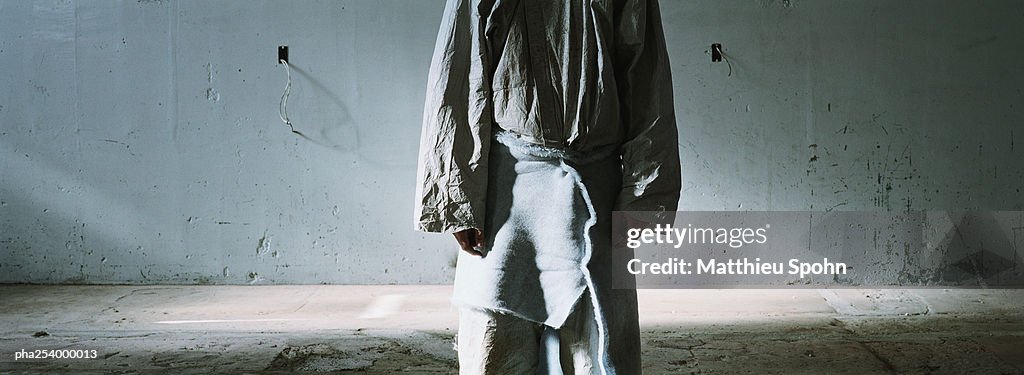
[(409, 329)]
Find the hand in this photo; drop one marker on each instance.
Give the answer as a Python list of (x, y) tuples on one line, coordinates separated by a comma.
[(471, 240)]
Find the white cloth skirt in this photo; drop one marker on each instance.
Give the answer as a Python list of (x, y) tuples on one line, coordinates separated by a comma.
[(548, 233)]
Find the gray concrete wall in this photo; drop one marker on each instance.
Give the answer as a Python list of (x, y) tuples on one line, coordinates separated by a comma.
[(140, 140)]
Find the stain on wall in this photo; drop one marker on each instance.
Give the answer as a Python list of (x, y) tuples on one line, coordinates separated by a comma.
[(140, 140)]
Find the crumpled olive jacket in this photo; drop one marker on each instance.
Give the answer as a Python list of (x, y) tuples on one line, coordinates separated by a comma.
[(570, 74)]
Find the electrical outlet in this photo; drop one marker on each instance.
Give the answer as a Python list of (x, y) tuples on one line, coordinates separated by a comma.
[(716, 52), (282, 54)]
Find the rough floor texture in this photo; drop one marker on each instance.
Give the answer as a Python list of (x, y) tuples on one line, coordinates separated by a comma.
[(409, 329)]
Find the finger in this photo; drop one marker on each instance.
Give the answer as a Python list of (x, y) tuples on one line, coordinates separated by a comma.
[(465, 245), (462, 242), (480, 239)]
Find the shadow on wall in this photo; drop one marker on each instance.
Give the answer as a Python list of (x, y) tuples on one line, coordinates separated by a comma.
[(929, 248), (99, 233), (91, 251), (977, 251), (333, 128)]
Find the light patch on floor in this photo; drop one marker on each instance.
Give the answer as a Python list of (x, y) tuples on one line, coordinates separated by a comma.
[(383, 306), (410, 329)]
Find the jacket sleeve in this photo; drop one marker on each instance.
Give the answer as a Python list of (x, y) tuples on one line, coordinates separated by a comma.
[(650, 151), (451, 177)]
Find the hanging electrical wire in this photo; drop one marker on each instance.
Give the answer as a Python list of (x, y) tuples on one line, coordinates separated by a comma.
[(282, 108)]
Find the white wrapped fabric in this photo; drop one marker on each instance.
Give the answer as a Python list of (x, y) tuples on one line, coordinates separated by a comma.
[(549, 242)]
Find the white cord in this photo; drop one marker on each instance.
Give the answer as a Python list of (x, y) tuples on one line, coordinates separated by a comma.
[(282, 108), (726, 58)]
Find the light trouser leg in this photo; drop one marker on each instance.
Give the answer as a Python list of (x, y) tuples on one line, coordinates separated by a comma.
[(580, 340), (549, 353), (491, 342)]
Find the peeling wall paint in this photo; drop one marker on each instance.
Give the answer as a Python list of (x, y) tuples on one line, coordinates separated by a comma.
[(140, 140)]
